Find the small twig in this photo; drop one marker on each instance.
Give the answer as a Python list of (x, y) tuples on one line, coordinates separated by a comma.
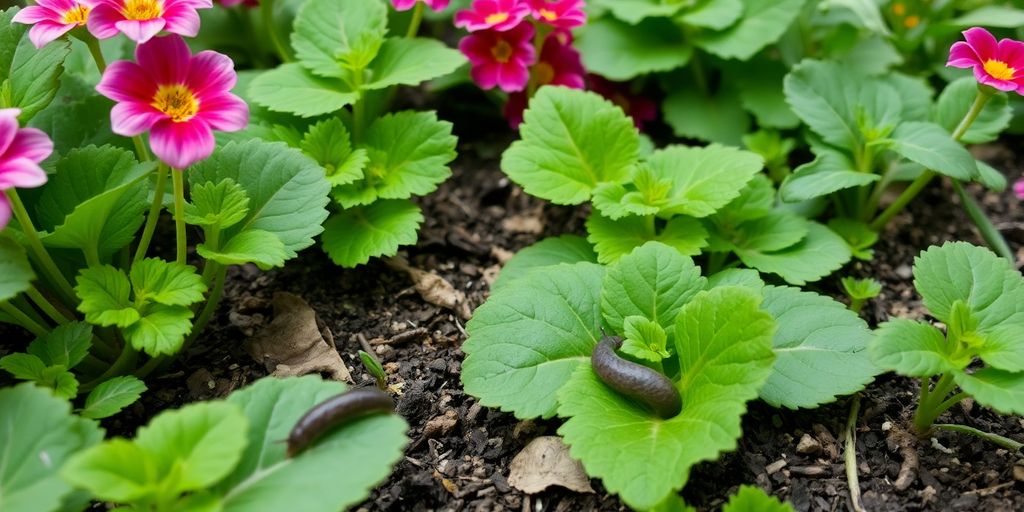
[(403, 337), (363, 342), (850, 455)]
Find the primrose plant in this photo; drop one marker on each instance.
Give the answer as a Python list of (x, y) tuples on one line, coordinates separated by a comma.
[(577, 147), (645, 356), (980, 299), (374, 162)]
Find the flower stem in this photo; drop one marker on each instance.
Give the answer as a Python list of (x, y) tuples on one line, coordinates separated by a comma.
[(22, 319), (97, 53), (140, 149), (178, 177), (993, 238), (44, 304), (124, 363), (154, 213), (267, 13), (36, 244), (999, 440), (417, 18)]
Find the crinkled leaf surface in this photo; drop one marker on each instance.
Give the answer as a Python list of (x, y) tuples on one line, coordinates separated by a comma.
[(613, 239), (160, 329), (106, 297), (331, 38), (547, 252), (703, 179), (110, 397), (914, 349), (329, 143), (16, 273), (816, 256), (359, 233), (168, 283), (30, 77), (65, 345), (220, 205), (620, 51), (293, 89)]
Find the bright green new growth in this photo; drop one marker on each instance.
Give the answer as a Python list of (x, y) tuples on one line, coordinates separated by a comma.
[(980, 299), (860, 291)]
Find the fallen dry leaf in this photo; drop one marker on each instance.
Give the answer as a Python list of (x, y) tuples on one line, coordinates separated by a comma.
[(546, 462), (295, 343), (432, 287), (530, 223)]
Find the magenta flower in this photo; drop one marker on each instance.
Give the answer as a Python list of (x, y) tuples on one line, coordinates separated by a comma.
[(500, 59), (21, 151), (996, 64), (559, 62), (178, 97), (141, 20), (500, 15), (51, 19), (1018, 189), (405, 5), (564, 14)]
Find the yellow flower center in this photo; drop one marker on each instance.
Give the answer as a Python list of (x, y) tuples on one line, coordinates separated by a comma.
[(999, 70), (899, 9), (498, 17), (912, 21), (76, 15), (142, 9), (502, 51), (544, 73), (548, 14), (176, 101)]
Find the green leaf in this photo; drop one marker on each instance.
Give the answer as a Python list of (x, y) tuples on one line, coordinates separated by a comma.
[(160, 330), (77, 117), (61, 381), (291, 88), (1001, 348), (724, 345), (66, 345), (571, 142), (262, 248), (755, 200), (105, 293), (633, 11), (332, 39), (39, 434), (861, 289), (111, 396), (357, 234), (265, 480), (760, 88), (617, 201), (703, 179), (744, 277), (329, 143), (753, 499), (525, 342), (410, 61), (96, 199), (23, 366), (171, 284), (613, 239), (773, 232), (858, 236), (817, 256), (998, 389), (713, 14), (409, 153), (220, 205), (913, 349), (30, 77), (929, 145), (763, 23), (956, 100), (652, 282), (117, 470), (644, 339), (866, 13), (821, 350), (915, 94), (16, 273), (830, 172), (287, 190), (203, 441), (548, 252), (620, 51), (716, 118), (988, 284), (990, 177)]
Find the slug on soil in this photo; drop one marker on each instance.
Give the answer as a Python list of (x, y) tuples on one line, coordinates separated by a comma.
[(636, 381), (334, 412)]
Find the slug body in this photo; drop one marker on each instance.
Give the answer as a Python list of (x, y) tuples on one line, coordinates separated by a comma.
[(636, 381), (335, 412)]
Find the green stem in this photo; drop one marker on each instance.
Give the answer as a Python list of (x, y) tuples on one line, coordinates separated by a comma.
[(984, 94), (267, 13), (92, 255), (154, 213), (850, 455), (417, 18), (210, 267), (105, 349), (999, 440), (97, 52), (993, 238), (140, 149), (22, 319), (856, 305), (44, 304), (125, 362), (178, 177), (36, 244), (933, 403)]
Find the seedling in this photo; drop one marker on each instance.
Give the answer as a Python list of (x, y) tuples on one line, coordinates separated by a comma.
[(860, 291)]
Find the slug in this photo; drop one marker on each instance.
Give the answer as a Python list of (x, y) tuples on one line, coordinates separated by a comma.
[(334, 412), (636, 381)]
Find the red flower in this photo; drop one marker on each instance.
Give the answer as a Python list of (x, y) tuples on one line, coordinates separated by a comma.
[(500, 58), (564, 14)]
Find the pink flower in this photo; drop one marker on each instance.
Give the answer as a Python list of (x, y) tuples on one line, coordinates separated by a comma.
[(140, 20), (178, 97), (405, 5), (1018, 189), (559, 64), (500, 58), (21, 151), (559, 13), (51, 19), (640, 108), (499, 15), (996, 64)]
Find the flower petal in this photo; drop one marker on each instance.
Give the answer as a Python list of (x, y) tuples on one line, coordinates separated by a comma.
[(8, 128), (30, 143), (127, 81), (165, 58), (141, 31), (103, 20), (226, 113), (132, 118), (34, 14), (5, 210), (180, 145), (961, 55), (1012, 53), (21, 173), (182, 19), (211, 73), (983, 42), (44, 32)]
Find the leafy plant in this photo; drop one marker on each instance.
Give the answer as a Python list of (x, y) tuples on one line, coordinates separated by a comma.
[(980, 299), (860, 291), (374, 163), (722, 341), (226, 455)]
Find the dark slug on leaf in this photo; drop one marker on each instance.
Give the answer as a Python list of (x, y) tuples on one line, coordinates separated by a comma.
[(335, 412), (636, 381)]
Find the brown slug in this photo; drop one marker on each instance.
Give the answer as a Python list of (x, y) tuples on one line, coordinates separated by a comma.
[(334, 412), (636, 381)]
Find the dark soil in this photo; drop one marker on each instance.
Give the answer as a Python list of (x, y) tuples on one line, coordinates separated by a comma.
[(459, 452)]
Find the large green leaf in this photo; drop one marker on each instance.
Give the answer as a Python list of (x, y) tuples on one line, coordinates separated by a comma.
[(633, 11), (830, 172), (703, 179), (998, 389), (929, 145), (613, 239), (620, 51), (331, 39), (526, 340), (30, 77), (763, 23), (66, 345), (694, 113), (357, 234), (160, 329), (16, 273), (914, 349), (293, 89), (39, 434), (956, 100), (171, 284), (106, 297), (410, 61), (110, 397), (817, 256), (571, 142), (548, 252), (723, 341)]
